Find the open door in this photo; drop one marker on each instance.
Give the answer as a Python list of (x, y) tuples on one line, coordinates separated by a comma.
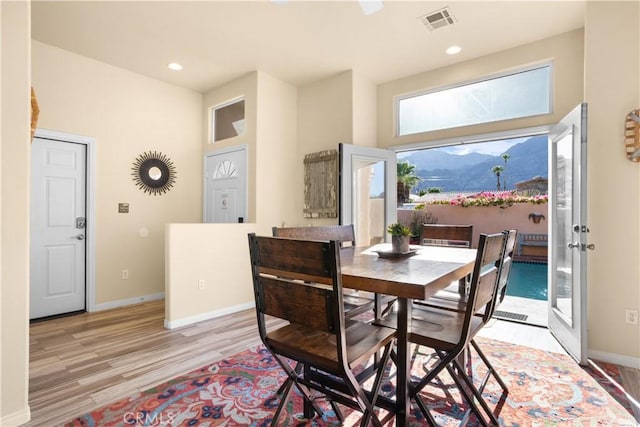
[(568, 233), (367, 191)]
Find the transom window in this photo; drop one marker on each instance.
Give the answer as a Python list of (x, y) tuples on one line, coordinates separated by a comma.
[(520, 94), (227, 120)]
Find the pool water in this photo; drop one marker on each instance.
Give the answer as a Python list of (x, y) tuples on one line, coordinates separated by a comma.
[(528, 280)]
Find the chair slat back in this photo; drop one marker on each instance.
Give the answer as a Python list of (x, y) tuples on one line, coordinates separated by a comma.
[(298, 302), (298, 281), (447, 235), (484, 280), (505, 267), (343, 233)]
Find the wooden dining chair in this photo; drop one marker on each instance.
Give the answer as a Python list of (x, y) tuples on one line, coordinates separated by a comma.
[(505, 270), (355, 302), (452, 299), (450, 235), (300, 281), (449, 333), (447, 235), (458, 302)]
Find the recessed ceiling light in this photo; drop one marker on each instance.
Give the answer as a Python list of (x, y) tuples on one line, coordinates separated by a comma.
[(370, 6), (175, 66), (452, 50)]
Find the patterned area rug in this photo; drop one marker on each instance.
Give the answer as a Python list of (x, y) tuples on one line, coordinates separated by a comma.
[(545, 389)]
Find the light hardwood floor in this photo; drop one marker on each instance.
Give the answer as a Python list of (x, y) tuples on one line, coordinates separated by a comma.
[(85, 361)]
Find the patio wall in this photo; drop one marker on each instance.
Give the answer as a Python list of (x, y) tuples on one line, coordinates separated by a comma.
[(487, 219)]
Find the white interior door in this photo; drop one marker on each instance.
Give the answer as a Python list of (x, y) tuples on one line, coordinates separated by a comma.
[(58, 212), (226, 186), (367, 191), (568, 233)]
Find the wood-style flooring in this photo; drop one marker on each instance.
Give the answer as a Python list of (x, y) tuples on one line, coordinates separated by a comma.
[(85, 361)]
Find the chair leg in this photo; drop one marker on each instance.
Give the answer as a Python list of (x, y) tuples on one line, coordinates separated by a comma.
[(449, 362), (490, 367), (338, 412), (307, 408), (293, 375), (425, 411), (366, 404), (283, 400), (465, 394), (475, 393), (297, 369)]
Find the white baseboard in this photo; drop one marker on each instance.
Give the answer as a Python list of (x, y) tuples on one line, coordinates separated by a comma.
[(208, 315), (17, 418), (128, 301), (618, 359)]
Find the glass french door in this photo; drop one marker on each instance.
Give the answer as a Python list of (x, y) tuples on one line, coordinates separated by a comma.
[(367, 191), (568, 233)]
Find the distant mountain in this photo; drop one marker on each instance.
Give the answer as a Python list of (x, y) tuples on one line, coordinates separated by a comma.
[(425, 158), (472, 172)]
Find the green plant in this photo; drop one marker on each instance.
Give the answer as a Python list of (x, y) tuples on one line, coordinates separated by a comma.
[(398, 229), (407, 178), (420, 216), (497, 170)]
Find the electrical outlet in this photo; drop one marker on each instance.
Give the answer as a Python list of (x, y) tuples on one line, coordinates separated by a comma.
[(125, 274), (201, 285), (631, 316)]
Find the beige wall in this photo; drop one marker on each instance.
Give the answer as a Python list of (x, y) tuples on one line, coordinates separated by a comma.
[(365, 119), (219, 255), (244, 87), (612, 89), (565, 50), (127, 114), (14, 212), (325, 119), (277, 166)]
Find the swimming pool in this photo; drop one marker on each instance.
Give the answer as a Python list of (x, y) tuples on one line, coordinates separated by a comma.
[(528, 280)]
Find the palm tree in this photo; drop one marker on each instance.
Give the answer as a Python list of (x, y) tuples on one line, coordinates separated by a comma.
[(505, 157), (407, 178), (497, 170)]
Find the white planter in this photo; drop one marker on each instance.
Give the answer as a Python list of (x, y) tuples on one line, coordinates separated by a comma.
[(400, 244)]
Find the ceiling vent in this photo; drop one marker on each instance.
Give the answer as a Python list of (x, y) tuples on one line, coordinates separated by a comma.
[(438, 19)]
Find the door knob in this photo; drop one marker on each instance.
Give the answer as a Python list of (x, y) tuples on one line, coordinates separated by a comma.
[(80, 237), (591, 246)]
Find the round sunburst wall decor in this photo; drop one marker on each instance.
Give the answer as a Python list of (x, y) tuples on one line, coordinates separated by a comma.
[(153, 172)]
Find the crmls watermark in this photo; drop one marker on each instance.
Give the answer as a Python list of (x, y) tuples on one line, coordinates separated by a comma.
[(148, 419)]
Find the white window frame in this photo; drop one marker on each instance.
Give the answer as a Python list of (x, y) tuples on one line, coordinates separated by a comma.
[(495, 76), (212, 115)]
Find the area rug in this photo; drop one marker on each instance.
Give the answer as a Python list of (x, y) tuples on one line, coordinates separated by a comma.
[(545, 389)]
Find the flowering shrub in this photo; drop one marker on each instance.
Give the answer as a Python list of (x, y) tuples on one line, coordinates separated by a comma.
[(487, 198)]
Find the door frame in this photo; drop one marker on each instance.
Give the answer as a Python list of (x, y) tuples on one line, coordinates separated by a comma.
[(90, 200), (572, 332), (346, 154), (205, 176)]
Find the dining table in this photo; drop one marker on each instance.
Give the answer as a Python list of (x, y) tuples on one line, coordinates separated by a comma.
[(415, 275)]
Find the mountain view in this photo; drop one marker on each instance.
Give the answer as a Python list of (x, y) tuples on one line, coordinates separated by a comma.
[(472, 171)]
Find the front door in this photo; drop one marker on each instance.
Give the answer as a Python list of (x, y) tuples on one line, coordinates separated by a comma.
[(568, 233), (58, 211), (226, 186), (367, 191)]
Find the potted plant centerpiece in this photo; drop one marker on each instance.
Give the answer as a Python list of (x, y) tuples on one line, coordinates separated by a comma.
[(400, 235)]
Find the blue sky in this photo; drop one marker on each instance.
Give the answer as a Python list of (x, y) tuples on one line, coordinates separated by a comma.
[(494, 148)]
